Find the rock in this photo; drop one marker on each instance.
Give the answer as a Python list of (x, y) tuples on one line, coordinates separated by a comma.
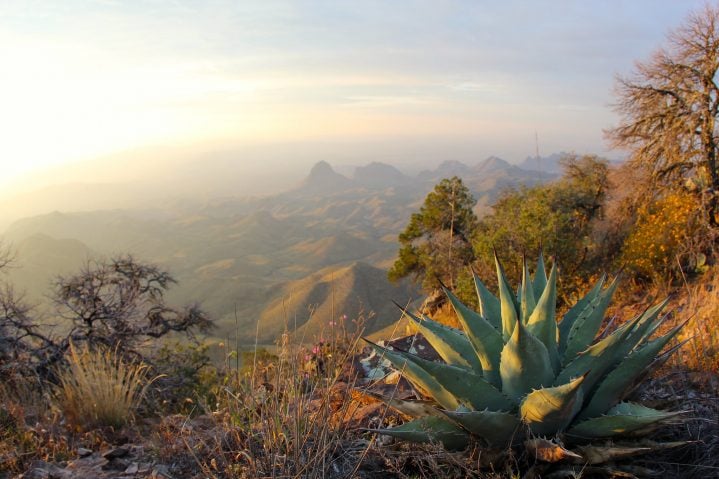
[(82, 452), (121, 451), (160, 472), (117, 464), (45, 470), (132, 468)]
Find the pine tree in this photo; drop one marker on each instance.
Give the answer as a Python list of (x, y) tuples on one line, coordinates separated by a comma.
[(436, 244)]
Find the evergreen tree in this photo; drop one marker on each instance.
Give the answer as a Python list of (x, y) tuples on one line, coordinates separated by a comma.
[(436, 242)]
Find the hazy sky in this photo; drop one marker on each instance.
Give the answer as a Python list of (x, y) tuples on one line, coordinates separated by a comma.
[(81, 79)]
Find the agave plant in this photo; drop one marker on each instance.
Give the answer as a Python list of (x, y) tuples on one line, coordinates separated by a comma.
[(516, 372)]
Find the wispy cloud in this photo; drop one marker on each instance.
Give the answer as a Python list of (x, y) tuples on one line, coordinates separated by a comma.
[(81, 78)]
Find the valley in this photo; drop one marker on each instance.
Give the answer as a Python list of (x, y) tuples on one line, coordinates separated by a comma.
[(299, 259)]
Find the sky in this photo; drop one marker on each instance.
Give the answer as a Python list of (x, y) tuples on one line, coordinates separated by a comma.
[(86, 79)]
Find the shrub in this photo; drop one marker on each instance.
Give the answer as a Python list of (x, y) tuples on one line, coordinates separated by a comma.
[(663, 238)]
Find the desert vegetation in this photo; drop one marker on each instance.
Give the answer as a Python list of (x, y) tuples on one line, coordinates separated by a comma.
[(600, 359)]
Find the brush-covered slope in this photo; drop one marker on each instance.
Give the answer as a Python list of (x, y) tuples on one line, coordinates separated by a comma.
[(307, 306)]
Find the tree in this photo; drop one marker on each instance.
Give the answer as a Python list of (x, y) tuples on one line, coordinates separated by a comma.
[(669, 108), (557, 218), (436, 242)]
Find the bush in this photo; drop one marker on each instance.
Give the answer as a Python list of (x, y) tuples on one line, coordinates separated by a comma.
[(664, 239), (557, 218)]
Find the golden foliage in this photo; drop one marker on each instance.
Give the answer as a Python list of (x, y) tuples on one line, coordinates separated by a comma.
[(663, 232)]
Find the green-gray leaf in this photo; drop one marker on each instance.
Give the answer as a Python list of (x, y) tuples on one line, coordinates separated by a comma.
[(585, 328), (542, 323), (430, 429), (485, 339), (597, 359), (451, 344), (623, 418), (420, 378), (540, 277), (571, 316), (548, 411), (612, 389), (528, 301), (488, 304), (508, 302), (497, 428), (467, 387), (524, 364)]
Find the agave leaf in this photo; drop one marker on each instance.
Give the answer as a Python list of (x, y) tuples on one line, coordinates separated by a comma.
[(548, 411), (549, 451), (421, 379), (542, 323), (565, 325), (623, 418), (486, 341), (646, 326), (430, 429), (507, 301), (466, 386), (601, 454), (597, 359), (527, 302), (540, 277), (451, 344), (488, 304), (524, 364), (414, 408), (653, 327), (656, 364), (618, 382), (585, 328), (497, 428)]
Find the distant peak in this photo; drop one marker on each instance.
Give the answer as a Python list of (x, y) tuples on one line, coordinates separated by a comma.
[(452, 165), (321, 167), (495, 160), (323, 178), (377, 174)]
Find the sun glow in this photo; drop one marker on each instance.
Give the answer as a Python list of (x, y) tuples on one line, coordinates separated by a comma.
[(83, 79)]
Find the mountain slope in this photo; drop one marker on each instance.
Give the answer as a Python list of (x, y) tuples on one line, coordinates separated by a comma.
[(39, 259), (307, 306)]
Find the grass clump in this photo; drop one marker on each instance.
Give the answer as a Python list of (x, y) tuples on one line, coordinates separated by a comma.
[(99, 388)]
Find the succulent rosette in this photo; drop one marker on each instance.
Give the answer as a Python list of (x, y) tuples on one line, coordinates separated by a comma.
[(515, 372)]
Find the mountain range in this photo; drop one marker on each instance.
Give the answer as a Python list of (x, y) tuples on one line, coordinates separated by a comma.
[(298, 259)]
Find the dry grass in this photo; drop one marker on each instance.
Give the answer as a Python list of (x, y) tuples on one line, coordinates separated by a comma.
[(701, 353), (285, 417), (98, 388), (29, 427)]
